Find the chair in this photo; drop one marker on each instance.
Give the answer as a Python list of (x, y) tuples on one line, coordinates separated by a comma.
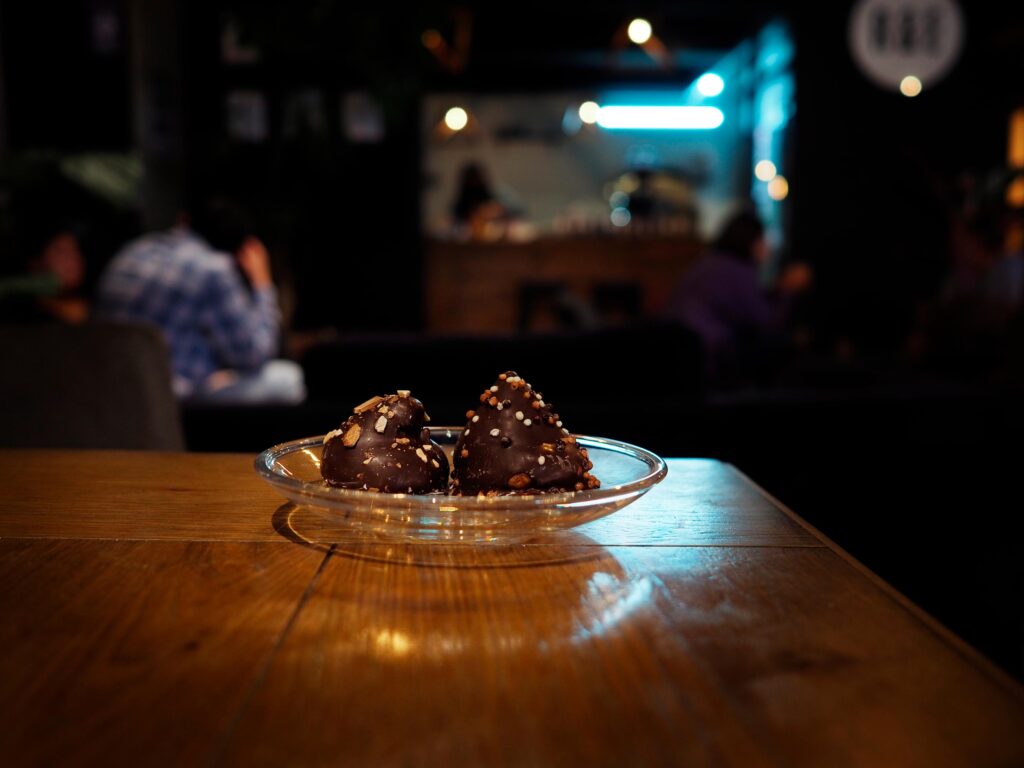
[(91, 386)]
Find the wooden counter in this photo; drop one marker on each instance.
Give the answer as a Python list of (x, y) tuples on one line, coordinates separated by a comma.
[(479, 287)]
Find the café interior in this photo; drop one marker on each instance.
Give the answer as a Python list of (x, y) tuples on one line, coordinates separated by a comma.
[(576, 192)]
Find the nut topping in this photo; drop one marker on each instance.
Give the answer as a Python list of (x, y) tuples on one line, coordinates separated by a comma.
[(520, 481), (351, 437), (369, 404)]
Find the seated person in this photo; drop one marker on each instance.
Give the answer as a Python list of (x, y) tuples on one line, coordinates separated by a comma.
[(188, 281), (477, 211), (721, 299), (52, 289)]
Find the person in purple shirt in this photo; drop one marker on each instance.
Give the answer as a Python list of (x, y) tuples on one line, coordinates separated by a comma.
[(722, 300), (188, 281)]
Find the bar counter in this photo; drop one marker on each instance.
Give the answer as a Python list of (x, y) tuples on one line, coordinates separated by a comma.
[(485, 287)]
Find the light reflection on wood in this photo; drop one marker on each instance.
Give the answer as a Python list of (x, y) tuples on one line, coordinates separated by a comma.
[(701, 625)]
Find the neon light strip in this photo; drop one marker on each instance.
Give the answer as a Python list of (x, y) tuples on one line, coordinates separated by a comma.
[(659, 118)]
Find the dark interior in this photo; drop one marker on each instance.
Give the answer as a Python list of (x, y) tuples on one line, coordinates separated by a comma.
[(893, 425)]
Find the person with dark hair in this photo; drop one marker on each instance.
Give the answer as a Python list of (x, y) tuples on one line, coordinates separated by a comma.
[(742, 237), (721, 299), (476, 208), (188, 282), (52, 289)]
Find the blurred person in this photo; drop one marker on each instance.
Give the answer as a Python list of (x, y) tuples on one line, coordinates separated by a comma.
[(973, 327), (987, 264), (52, 289), (207, 286), (721, 299), (476, 209)]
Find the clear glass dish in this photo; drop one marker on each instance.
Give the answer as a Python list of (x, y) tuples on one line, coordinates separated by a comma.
[(626, 473)]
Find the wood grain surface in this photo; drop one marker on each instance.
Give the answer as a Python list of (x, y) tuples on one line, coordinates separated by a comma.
[(120, 653), (624, 655), (168, 609), (218, 497), (135, 495)]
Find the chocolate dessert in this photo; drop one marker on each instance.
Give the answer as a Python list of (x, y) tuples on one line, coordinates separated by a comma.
[(515, 443), (385, 446)]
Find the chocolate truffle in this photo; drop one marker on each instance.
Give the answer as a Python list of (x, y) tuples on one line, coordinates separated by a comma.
[(515, 443), (384, 446)]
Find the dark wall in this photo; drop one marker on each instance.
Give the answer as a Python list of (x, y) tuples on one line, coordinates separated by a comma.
[(66, 75), (879, 174), (345, 216)]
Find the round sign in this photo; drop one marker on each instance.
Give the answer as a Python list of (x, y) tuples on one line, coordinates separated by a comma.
[(893, 40)]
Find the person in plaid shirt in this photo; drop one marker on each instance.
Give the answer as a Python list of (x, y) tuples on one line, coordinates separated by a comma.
[(222, 336)]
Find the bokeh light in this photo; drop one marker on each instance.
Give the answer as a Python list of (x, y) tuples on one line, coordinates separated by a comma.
[(765, 170), (640, 31), (710, 84), (620, 216), (456, 118), (1015, 193), (910, 86), (431, 39), (778, 188), (589, 111)]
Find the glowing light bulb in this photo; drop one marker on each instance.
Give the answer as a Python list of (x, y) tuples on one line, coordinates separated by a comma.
[(639, 31), (765, 170), (589, 111), (778, 188), (620, 217), (710, 84), (910, 86), (456, 118)]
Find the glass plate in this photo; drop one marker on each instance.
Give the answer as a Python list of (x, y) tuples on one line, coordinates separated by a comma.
[(626, 473)]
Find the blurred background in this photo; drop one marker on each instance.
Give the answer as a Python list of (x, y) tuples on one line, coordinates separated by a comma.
[(789, 237)]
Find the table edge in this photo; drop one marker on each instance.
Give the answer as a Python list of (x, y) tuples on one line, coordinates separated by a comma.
[(940, 630)]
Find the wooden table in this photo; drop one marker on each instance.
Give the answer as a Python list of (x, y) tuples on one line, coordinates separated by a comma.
[(170, 609)]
